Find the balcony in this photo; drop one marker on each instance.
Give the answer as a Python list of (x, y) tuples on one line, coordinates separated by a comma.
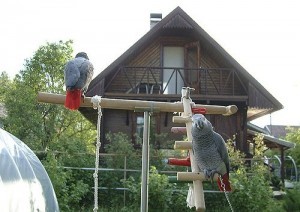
[(169, 81)]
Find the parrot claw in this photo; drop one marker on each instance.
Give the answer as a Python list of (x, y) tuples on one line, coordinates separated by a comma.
[(83, 97), (212, 174), (206, 174)]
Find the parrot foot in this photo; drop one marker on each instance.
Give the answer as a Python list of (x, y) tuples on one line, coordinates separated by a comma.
[(210, 174)]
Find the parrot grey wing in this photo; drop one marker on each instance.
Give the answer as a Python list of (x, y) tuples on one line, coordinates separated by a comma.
[(86, 74), (71, 74), (89, 75), (221, 148)]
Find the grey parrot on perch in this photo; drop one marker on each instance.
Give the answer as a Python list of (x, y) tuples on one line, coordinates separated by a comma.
[(210, 152), (78, 74)]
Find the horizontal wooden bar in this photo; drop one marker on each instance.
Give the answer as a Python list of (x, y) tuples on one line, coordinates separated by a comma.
[(122, 104), (179, 161), (192, 176), (178, 130), (183, 145), (125, 104), (181, 119), (217, 109)]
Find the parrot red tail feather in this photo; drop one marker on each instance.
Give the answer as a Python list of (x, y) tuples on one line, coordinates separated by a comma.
[(73, 99), (226, 182)]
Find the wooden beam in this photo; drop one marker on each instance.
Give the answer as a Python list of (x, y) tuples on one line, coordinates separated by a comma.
[(197, 187), (181, 119), (183, 145), (178, 130), (125, 104), (192, 176)]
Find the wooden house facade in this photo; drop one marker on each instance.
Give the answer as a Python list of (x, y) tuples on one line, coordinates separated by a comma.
[(176, 52)]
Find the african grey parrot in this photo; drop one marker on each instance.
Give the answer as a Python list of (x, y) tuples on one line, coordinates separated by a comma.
[(78, 74), (210, 151)]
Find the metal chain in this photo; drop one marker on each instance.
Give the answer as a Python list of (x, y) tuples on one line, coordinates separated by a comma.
[(225, 192), (96, 105)]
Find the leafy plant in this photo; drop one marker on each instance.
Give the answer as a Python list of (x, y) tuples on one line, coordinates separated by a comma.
[(56, 134), (291, 199), (69, 190), (251, 185), (294, 136)]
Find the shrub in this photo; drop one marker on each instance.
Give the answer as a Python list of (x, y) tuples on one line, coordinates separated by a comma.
[(291, 199), (250, 183)]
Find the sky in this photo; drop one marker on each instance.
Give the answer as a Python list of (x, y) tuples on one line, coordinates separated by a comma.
[(262, 35)]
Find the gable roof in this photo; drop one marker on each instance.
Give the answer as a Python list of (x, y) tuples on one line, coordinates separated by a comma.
[(270, 140), (173, 24), (279, 131), (274, 142)]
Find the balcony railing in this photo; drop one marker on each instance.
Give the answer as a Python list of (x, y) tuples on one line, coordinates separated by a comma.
[(170, 80)]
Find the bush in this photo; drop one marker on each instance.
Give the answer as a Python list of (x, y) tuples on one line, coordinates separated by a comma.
[(291, 199), (250, 183), (162, 195), (69, 190)]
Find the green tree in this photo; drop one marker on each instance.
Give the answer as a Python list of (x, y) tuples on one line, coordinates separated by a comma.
[(294, 136), (6, 84), (34, 123), (251, 182), (55, 133)]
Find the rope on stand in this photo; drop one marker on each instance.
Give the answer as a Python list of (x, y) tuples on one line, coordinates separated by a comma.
[(96, 100)]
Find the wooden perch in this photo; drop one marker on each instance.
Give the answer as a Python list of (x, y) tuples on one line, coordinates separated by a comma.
[(124, 104), (181, 119), (178, 130), (183, 145), (192, 176)]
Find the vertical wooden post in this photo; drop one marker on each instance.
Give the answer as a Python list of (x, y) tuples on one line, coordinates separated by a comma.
[(197, 184)]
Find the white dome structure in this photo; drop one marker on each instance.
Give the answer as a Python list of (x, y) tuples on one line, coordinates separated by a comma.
[(24, 183)]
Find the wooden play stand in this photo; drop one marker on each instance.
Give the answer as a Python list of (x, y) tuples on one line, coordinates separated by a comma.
[(185, 107)]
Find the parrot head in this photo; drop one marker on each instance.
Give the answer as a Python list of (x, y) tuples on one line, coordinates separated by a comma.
[(82, 54), (201, 124)]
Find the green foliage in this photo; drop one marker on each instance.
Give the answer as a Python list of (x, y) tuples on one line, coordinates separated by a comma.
[(121, 145), (291, 199), (55, 133), (250, 182), (34, 123), (69, 190), (159, 191), (163, 196), (6, 84), (294, 136), (44, 71)]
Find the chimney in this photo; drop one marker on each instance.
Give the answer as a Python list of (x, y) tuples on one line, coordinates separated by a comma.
[(154, 19)]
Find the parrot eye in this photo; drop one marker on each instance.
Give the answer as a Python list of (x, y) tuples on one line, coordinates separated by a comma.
[(199, 124)]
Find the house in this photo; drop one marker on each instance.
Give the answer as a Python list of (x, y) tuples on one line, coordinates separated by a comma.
[(280, 131), (177, 52)]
